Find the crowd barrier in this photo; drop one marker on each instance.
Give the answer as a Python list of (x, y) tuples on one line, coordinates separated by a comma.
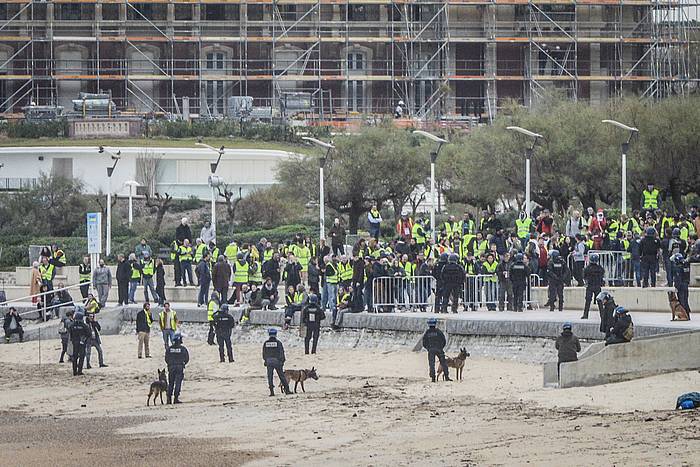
[(403, 293), (618, 267)]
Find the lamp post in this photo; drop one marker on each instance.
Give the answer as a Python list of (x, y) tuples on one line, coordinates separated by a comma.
[(528, 155), (625, 148), (131, 184), (433, 158), (110, 170), (214, 181), (321, 197)]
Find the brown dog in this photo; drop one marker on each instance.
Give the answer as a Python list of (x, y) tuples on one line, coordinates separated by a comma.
[(455, 362), (158, 387), (678, 312), (299, 376)]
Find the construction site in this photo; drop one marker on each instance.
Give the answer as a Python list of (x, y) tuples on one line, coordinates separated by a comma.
[(337, 60)]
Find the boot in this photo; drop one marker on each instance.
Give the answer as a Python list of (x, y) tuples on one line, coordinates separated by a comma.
[(287, 391), (272, 391), (177, 400), (170, 400), (447, 378), (432, 378)]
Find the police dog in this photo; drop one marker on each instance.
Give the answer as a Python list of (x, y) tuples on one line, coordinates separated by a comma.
[(455, 362), (678, 311), (158, 387), (299, 376)]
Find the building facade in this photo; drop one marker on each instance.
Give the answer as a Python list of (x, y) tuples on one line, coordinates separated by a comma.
[(442, 58)]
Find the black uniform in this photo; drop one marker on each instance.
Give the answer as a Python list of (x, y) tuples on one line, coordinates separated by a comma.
[(223, 323), (273, 356), (311, 316), (593, 277), (557, 275), (434, 342), (681, 280), (79, 333), (607, 317), (519, 275), (176, 358), (437, 274), (452, 278), (617, 335)]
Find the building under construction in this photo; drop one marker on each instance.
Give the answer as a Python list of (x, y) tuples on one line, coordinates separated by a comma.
[(339, 59)]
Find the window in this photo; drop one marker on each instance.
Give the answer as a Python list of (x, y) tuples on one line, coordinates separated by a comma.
[(110, 11), (356, 61), (183, 12), (214, 90), (356, 96), (68, 12), (3, 11)]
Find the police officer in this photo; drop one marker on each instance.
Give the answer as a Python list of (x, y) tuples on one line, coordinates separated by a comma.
[(311, 316), (681, 279), (519, 274), (557, 274), (176, 358), (452, 278), (593, 277), (607, 306), (273, 356), (224, 322), (437, 274), (434, 342), (79, 333)]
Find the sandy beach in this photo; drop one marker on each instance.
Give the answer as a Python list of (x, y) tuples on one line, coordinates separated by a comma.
[(369, 407)]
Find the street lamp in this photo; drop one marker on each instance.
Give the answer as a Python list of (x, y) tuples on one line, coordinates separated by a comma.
[(110, 170), (213, 180), (625, 148), (321, 164), (528, 155), (433, 158), (131, 184)]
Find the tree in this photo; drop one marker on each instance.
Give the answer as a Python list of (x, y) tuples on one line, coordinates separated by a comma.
[(266, 207), (231, 201), (162, 204)]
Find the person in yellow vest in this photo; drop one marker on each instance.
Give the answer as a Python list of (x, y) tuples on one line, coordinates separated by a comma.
[(480, 244), (231, 251), (374, 218), (47, 269), (213, 253), (523, 227), (186, 263), (450, 227), (650, 198), (135, 278), (418, 233), (629, 225), (268, 253), (143, 329), (490, 282), (148, 269), (240, 276), (175, 258), (84, 276), (345, 271), (687, 228), (199, 250), (667, 224), (255, 273), (467, 226), (212, 307), (168, 324), (59, 256), (303, 254)]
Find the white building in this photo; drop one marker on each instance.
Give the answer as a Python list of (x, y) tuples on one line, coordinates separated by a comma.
[(181, 172)]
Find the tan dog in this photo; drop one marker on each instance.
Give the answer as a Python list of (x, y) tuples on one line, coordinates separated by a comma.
[(158, 387), (299, 376), (456, 363), (678, 312)]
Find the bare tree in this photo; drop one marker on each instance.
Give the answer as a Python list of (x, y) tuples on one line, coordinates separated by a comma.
[(416, 199), (162, 204), (231, 201), (148, 170), (101, 200)]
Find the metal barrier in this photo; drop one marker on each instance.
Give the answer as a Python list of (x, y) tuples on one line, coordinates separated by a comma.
[(481, 290), (617, 265), (529, 301), (402, 293), (43, 310)]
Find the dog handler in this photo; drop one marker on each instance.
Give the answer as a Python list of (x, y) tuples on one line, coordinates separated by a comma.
[(434, 342), (176, 357), (273, 356)]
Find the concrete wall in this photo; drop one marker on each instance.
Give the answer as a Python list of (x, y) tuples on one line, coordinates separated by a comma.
[(643, 356)]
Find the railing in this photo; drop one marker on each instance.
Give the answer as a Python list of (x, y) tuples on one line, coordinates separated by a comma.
[(617, 266), (403, 293), (50, 308)]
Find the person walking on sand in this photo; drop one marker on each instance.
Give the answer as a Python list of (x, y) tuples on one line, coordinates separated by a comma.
[(567, 346), (143, 329), (434, 342)]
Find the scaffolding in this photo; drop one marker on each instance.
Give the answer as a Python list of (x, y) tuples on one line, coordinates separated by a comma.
[(445, 59)]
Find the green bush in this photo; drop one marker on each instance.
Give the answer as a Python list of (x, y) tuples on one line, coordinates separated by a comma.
[(58, 128), (230, 128)]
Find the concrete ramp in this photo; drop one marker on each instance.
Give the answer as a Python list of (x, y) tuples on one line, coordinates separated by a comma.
[(644, 356)]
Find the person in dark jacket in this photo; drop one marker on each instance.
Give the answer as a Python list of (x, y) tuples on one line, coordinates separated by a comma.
[(434, 342), (221, 276), (183, 231), (273, 357), (557, 275), (505, 286), (224, 323), (623, 329), (160, 282), (312, 315), (292, 273), (11, 325), (337, 235), (567, 346), (439, 284), (519, 273), (79, 333), (593, 277), (681, 279), (176, 357), (268, 295), (271, 269), (649, 248), (606, 305), (94, 340), (452, 278), (123, 276), (204, 279), (143, 329), (314, 275)]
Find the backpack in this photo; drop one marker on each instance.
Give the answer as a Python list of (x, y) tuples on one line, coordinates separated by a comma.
[(694, 397), (629, 332)]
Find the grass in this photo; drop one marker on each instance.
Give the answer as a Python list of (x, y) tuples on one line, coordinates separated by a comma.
[(229, 143)]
